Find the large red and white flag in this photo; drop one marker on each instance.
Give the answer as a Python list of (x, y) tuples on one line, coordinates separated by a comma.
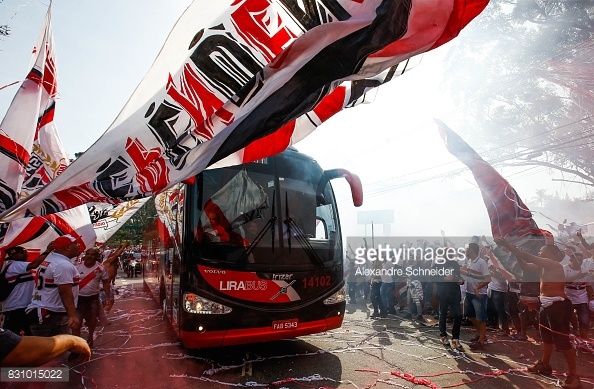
[(30, 111), (510, 217), (32, 149), (47, 157), (35, 233), (235, 83)]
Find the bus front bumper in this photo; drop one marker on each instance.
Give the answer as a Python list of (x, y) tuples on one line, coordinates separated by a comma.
[(255, 335)]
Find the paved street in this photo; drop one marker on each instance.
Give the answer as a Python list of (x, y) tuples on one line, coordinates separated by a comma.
[(138, 350)]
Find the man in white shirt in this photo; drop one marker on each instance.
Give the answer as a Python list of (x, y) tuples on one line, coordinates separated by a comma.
[(497, 289), (387, 288), (568, 250), (19, 278), (52, 310), (578, 292), (93, 276), (477, 278), (588, 262)]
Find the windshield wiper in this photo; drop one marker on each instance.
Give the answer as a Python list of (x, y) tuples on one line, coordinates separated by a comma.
[(300, 237), (273, 218), (287, 221), (269, 224)]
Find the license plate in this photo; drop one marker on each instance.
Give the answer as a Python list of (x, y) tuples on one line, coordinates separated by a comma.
[(289, 324)]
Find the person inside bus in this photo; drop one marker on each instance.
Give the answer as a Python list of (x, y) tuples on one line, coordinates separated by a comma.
[(218, 229), (253, 228)]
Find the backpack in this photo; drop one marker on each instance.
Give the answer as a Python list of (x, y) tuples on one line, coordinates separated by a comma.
[(6, 288)]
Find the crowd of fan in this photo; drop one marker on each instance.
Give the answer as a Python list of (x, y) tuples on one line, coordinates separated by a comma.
[(552, 293), (49, 299)]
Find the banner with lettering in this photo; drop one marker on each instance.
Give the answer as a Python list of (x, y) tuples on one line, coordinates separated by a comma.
[(233, 82), (107, 218)]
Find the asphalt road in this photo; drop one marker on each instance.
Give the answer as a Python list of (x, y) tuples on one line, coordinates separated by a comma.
[(138, 350)]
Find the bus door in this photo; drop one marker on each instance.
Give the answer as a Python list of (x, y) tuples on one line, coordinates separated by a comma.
[(170, 209)]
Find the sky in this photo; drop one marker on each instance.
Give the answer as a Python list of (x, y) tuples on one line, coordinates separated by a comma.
[(104, 48)]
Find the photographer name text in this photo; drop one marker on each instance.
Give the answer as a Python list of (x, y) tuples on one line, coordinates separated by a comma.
[(407, 271)]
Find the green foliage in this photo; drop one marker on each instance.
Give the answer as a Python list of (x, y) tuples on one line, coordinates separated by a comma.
[(523, 73)]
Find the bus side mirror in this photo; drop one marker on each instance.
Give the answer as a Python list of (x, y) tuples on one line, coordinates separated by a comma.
[(352, 179)]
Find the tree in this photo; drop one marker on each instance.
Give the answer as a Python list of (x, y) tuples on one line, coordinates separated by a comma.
[(523, 72), (541, 196)]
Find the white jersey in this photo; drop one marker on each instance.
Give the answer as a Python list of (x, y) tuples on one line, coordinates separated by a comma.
[(91, 278), (588, 267), (477, 271), (576, 290), (387, 273), (20, 296), (55, 270), (496, 285)]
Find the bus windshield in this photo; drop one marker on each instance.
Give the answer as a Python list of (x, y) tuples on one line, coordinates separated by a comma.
[(267, 212)]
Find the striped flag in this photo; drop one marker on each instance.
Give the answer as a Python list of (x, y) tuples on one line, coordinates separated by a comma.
[(37, 232), (31, 149), (30, 111), (510, 218), (47, 156), (239, 82)]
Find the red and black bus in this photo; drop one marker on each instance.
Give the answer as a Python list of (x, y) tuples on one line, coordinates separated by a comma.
[(251, 252)]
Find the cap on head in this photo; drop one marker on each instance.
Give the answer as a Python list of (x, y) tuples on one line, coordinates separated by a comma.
[(63, 241)]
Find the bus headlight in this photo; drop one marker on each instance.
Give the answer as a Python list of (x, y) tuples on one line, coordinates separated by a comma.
[(337, 297), (196, 304)]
